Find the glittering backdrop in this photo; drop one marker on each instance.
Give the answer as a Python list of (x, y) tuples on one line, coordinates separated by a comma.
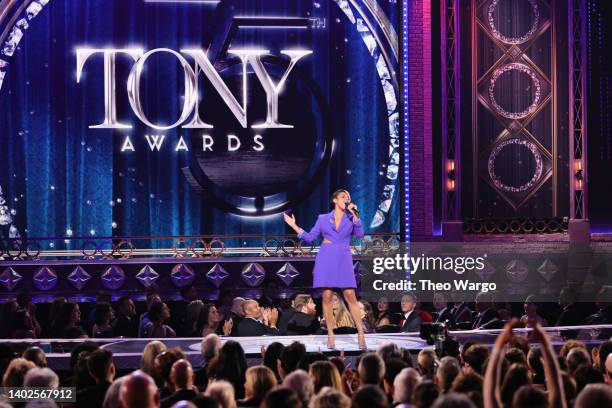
[(63, 179)]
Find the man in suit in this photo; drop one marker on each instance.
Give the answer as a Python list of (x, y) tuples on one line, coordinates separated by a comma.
[(236, 314), (443, 312), (100, 366), (411, 321), (181, 376), (257, 321), (486, 314), (301, 319), (126, 324)]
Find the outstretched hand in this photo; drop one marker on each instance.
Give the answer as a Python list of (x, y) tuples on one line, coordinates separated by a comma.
[(290, 220)]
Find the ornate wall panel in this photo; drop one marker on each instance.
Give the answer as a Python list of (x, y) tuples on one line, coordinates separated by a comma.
[(514, 109)]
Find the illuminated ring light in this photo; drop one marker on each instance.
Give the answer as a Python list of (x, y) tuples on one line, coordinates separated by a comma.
[(489, 226), (293, 244), (535, 12), (196, 251), (515, 66), (182, 251), (124, 254), (107, 255), (36, 247), (271, 243), (92, 246), (216, 252), (536, 175)]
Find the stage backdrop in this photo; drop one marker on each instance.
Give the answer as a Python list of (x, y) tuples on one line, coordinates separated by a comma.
[(151, 118)]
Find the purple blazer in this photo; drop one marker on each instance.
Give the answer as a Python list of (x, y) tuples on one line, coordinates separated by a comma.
[(334, 262)]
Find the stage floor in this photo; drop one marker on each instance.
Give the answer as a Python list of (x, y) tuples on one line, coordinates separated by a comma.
[(128, 352)]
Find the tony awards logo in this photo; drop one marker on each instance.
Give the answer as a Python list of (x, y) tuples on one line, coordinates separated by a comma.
[(193, 62)]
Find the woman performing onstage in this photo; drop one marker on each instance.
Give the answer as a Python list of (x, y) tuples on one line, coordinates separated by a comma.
[(334, 262)]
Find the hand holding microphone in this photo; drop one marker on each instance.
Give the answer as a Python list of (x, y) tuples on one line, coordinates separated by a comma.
[(352, 208)]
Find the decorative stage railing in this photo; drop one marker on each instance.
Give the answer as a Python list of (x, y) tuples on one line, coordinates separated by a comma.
[(195, 246)]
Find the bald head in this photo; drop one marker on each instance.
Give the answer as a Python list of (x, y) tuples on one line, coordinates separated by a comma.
[(138, 390), (182, 375), (251, 309), (608, 366)]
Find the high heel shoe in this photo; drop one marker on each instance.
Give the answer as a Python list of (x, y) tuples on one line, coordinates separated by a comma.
[(331, 342)]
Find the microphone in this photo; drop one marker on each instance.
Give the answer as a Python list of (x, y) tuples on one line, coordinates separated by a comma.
[(355, 211)]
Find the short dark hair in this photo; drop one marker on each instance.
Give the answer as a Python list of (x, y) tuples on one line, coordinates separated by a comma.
[(282, 397), (369, 396), (476, 356), (371, 369), (425, 394), (99, 362), (393, 368), (291, 356), (587, 374), (102, 310), (337, 193)]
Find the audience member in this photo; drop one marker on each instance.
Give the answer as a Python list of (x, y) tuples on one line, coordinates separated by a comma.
[(259, 381), (181, 376), (410, 320), (257, 321), (138, 391)]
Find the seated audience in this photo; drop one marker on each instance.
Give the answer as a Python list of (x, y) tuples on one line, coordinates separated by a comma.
[(367, 316), (531, 315), (223, 393), (103, 318), (403, 386), (384, 314), (300, 382), (138, 390), (209, 322), (301, 318), (67, 322), (209, 348), (486, 316), (257, 321), (448, 370), (41, 378), (410, 320), (126, 323), (181, 377), (259, 380), (36, 355), (325, 374), (159, 314), (371, 369), (330, 398), (101, 368), (149, 354)]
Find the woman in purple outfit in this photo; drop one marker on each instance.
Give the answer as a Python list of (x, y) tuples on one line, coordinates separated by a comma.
[(334, 262)]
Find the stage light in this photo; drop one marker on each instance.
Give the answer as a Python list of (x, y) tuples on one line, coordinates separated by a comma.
[(578, 176)]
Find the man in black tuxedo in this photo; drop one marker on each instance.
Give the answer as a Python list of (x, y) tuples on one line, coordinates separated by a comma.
[(126, 324), (236, 314), (100, 366), (411, 321), (181, 376), (486, 314), (301, 318), (570, 313), (443, 312), (257, 321)]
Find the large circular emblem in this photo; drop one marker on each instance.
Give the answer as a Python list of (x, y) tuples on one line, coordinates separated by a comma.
[(536, 92), (536, 175), (535, 19)]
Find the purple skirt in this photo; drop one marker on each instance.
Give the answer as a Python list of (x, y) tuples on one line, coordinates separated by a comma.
[(334, 267)]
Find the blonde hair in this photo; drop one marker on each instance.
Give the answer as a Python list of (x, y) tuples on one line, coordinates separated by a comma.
[(151, 350), (259, 380), (222, 392), (342, 316)]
